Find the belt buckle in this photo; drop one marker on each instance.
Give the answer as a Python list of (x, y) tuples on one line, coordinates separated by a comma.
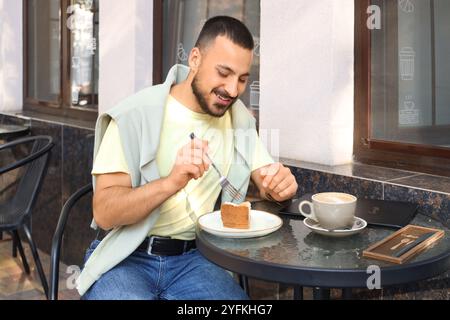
[(150, 245)]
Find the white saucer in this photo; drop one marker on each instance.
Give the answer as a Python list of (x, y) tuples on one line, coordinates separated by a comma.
[(315, 227), (261, 224)]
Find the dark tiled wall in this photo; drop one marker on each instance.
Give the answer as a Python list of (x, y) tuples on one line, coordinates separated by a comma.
[(431, 202), (76, 167), (434, 204), (310, 181), (69, 169)]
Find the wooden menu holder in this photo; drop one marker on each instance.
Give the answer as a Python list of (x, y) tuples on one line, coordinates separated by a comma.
[(384, 249)]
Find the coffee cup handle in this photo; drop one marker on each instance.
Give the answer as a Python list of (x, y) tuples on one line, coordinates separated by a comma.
[(307, 215)]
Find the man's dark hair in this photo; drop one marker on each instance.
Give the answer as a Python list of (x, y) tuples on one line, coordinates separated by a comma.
[(230, 27)]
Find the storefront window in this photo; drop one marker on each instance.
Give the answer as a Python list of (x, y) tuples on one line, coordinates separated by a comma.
[(402, 84), (61, 49), (44, 47), (83, 23)]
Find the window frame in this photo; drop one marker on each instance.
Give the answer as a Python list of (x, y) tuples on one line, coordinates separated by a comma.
[(158, 41), (407, 156), (63, 107)]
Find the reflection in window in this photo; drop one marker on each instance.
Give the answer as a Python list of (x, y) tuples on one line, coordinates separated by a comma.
[(183, 20), (83, 23), (43, 50), (411, 73)]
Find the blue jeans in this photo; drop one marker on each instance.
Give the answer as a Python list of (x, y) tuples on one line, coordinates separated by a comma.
[(149, 277)]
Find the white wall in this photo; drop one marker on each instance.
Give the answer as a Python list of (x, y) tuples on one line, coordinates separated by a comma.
[(10, 55), (307, 78), (126, 49)]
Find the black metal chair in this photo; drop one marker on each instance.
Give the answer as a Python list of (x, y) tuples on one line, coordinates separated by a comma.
[(58, 236), (15, 211)]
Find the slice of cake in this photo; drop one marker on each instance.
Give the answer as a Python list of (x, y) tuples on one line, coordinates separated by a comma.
[(236, 215)]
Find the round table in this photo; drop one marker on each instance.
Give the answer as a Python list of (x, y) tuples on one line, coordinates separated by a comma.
[(12, 131), (295, 255)]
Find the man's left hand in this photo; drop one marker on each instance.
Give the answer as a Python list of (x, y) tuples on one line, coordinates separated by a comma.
[(278, 181)]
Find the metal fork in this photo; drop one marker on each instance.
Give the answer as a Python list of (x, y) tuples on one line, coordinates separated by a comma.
[(224, 183), (269, 196)]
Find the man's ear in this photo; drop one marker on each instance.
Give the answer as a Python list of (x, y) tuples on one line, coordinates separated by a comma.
[(195, 58)]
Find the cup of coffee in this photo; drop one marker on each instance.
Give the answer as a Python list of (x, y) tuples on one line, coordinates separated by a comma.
[(332, 210)]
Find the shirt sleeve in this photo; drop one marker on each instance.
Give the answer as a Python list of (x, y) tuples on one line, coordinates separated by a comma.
[(110, 156), (261, 156)]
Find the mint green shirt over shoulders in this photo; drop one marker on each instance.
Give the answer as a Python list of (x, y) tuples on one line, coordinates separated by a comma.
[(139, 119)]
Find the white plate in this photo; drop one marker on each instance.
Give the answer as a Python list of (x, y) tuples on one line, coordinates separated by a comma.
[(315, 227), (261, 224)]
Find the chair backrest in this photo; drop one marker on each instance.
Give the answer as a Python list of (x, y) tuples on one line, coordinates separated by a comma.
[(31, 182), (58, 237), (35, 165)]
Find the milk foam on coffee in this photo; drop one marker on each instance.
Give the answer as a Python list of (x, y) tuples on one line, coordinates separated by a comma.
[(334, 198)]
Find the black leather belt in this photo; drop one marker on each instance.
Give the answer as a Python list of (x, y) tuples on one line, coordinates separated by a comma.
[(166, 246)]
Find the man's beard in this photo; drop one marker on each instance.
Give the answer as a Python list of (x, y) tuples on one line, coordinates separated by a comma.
[(204, 105)]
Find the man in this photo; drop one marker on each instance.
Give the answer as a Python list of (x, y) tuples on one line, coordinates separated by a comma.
[(152, 181)]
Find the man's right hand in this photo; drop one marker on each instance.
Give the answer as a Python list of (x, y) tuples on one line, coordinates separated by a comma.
[(117, 203), (191, 163)]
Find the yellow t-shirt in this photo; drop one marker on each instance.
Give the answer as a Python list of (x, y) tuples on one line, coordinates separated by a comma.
[(180, 212)]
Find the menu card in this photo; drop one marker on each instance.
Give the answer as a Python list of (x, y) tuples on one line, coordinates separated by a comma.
[(404, 244)]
